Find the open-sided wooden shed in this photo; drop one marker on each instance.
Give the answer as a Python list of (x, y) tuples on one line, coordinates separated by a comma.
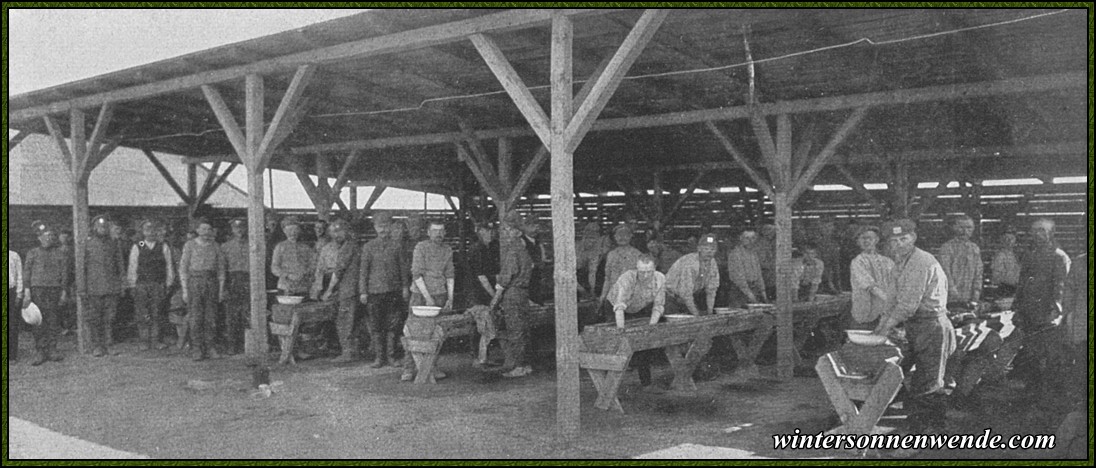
[(477, 102)]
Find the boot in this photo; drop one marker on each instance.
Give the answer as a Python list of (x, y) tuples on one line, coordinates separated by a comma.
[(349, 347), (377, 345), (390, 348), (144, 342)]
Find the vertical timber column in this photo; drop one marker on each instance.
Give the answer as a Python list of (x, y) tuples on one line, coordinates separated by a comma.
[(255, 342), (80, 221), (784, 287), (563, 236)]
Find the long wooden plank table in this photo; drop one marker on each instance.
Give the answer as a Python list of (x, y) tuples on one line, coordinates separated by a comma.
[(424, 336), (605, 350)]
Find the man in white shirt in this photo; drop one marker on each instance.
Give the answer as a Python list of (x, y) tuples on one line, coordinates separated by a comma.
[(635, 294), (15, 302)]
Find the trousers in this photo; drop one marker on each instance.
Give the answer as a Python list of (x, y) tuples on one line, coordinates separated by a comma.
[(202, 291), (48, 300), (514, 303), (150, 315), (237, 310), (99, 318)]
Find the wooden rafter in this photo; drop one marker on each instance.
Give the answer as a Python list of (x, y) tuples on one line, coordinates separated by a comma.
[(514, 86), (372, 46), (608, 81), (217, 183), (827, 152), (746, 166), (374, 196)]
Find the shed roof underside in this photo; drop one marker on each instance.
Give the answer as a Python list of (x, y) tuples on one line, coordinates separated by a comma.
[(430, 90)]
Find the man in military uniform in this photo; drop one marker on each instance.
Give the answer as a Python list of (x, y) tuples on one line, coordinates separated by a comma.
[(336, 282), (238, 288), (105, 270), (382, 289), (47, 277), (512, 293)]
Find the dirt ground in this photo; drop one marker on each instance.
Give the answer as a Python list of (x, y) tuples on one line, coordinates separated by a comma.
[(163, 405)]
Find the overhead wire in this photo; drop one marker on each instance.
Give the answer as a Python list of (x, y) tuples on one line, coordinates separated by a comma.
[(863, 40)]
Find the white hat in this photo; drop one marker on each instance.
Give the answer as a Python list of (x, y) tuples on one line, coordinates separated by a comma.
[(32, 315)]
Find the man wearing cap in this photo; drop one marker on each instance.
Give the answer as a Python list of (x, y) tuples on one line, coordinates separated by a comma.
[(512, 295), (638, 293), (961, 260), (744, 269), (920, 302), (46, 274), (690, 275), (202, 278), (293, 262), (238, 287), (67, 312), (622, 258), (105, 270), (382, 289), (336, 282), (149, 275), (432, 281)]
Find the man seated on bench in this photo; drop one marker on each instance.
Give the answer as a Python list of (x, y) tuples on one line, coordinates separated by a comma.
[(638, 293)]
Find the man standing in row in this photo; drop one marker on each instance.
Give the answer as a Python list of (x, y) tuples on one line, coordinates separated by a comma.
[(336, 283), (692, 274), (47, 276), (961, 260), (512, 293), (15, 301), (744, 269), (920, 301), (293, 261), (104, 273), (1038, 304), (238, 300), (149, 277), (202, 278), (383, 289), (432, 277)]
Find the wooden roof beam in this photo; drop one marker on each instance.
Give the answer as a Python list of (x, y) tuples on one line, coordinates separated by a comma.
[(1072, 80), (392, 43)]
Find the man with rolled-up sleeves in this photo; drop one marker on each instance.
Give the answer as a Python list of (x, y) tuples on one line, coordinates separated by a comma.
[(920, 302)]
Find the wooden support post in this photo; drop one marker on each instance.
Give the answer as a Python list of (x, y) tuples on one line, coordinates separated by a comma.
[(323, 187), (353, 194), (505, 170), (563, 220), (255, 147), (82, 156)]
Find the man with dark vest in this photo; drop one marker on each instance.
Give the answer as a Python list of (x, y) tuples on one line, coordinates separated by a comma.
[(150, 275), (104, 272), (238, 287)]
